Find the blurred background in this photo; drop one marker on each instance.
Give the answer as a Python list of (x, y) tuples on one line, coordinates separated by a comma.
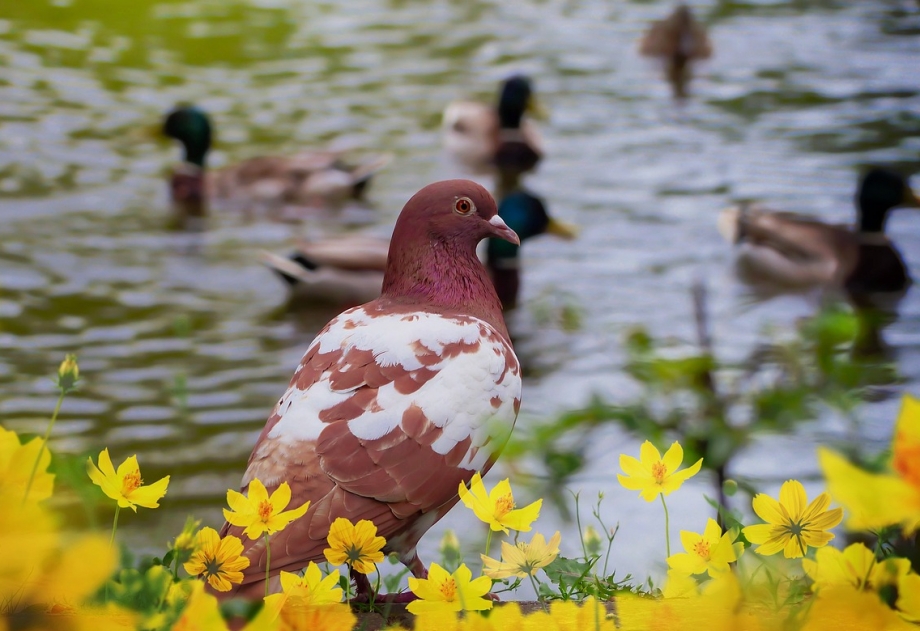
[(185, 341)]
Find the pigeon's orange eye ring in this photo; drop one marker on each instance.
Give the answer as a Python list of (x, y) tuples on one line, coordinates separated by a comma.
[(464, 206)]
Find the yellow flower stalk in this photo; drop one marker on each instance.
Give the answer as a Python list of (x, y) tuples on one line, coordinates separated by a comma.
[(876, 500), (218, 560), (709, 552), (522, 559), (260, 514), (793, 525), (497, 507), (309, 590), (16, 464), (653, 474), (443, 592), (354, 544), (125, 485)]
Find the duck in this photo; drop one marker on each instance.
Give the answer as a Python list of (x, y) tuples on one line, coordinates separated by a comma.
[(484, 137), (309, 178), (678, 40), (782, 249), (349, 269)]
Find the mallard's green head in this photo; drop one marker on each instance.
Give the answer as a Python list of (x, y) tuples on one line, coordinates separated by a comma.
[(190, 126), (513, 101), (879, 192), (526, 214)]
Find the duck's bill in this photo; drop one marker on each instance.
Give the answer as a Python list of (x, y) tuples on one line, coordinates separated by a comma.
[(537, 109), (501, 230), (562, 229)]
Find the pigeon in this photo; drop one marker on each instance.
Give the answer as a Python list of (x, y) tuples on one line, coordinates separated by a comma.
[(397, 401)]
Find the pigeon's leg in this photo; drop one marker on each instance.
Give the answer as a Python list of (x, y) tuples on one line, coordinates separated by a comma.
[(414, 564)]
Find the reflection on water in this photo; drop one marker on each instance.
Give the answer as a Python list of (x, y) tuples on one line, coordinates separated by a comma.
[(184, 340)]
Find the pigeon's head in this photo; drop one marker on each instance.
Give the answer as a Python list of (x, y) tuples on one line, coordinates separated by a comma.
[(457, 212)]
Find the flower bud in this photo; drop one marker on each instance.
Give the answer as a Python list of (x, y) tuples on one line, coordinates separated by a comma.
[(186, 539), (68, 373), (450, 549), (592, 541), (729, 487)]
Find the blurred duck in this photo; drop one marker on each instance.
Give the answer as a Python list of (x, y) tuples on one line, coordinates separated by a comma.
[(677, 40), (482, 137), (784, 249), (349, 269), (317, 178)]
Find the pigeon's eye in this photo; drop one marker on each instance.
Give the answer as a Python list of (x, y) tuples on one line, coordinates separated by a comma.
[(464, 206)]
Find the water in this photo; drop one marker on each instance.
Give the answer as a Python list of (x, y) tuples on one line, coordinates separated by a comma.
[(185, 342)]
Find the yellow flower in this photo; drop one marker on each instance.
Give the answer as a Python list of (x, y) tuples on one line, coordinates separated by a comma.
[(217, 559), (832, 567), (449, 592), (908, 603), (355, 544), (522, 559), (307, 591), (708, 552), (842, 607), (589, 615), (201, 613), (260, 513), (332, 617), (125, 486), (16, 463), (679, 585), (652, 474), (497, 507), (876, 500), (792, 526)]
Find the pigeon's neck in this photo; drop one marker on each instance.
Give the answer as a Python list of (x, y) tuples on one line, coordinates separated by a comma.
[(445, 276)]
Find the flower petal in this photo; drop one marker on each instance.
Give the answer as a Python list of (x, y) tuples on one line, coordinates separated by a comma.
[(767, 509), (649, 455), (792, 496), (673, 457)]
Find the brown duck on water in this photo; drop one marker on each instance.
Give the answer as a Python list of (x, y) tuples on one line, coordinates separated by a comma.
[(678, 41), (310, 178), (789, 250)]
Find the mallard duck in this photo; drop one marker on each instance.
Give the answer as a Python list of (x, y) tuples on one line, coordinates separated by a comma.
[(483, 137), (677, 40), (789, 250), (316, 178), (349, 269)]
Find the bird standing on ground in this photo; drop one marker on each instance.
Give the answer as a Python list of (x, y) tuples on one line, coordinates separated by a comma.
[(678, 41), (317, 178), (399, 400), (482, 137), (785, 249)]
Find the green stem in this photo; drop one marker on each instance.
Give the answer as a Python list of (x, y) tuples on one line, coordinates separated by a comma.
[(536, 591), (488, 541), (41, 450), (268, 561), (114, 525), (667, 529)]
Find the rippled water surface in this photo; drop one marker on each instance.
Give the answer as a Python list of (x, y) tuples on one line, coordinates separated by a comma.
[(185, 341)]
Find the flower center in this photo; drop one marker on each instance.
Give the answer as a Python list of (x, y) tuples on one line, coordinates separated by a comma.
[(354, 554), (659, 471), (702, 549), (212, 567), (131, 482), (449, 589), (504, 505), (265, 510)]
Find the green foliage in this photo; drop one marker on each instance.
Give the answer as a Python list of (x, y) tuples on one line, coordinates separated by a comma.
[(715, 408)]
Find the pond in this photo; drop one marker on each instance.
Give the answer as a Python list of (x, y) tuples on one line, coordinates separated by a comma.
[(185, 341)]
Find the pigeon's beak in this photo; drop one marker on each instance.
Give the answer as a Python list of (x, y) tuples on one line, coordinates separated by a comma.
[(501, 230)]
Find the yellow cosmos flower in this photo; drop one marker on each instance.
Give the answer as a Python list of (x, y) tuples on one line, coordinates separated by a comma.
[(308, 590), (877, 500), (708, 552), (355, 544), (792, 524), (260, 513), (855, 567), (652, 474), (589, 615), (16, 464), (218, 560), (843, 607), (449, 592), (497, 507), (522, 559), (679, 585), (332, 617), (908, 603), (125, 485)]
